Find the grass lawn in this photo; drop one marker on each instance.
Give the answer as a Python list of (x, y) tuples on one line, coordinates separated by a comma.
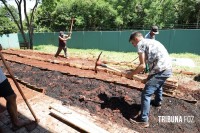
[(118, 56)]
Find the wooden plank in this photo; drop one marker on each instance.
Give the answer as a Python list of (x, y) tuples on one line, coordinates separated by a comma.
[(187, 98), (60, 109), (169, 83), (75, 119)]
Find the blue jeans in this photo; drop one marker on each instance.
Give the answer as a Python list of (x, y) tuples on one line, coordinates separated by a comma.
[(153, 86)]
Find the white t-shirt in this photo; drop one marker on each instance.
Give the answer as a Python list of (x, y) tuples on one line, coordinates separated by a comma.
[(2, 76), (156, 55)]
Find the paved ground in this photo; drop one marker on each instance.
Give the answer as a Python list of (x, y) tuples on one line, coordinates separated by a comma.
[(40, 105)]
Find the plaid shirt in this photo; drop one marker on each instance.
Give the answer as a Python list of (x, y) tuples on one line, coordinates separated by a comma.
[(156, 55)]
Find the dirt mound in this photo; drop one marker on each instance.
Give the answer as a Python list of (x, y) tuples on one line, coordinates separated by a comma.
[(110, 101)]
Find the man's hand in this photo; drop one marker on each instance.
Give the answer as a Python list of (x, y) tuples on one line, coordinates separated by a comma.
[(128, 74)]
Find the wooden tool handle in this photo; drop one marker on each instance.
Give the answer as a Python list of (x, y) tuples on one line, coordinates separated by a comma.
[(72, 22), (18, 87)]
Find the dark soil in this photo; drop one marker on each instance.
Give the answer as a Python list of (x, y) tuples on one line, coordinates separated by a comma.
[(197, 78), (110, 101)]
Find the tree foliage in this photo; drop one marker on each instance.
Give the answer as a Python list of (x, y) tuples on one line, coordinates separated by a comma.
[(117, 14), (189, 11), (7, 24), (29, 19), (44, 15), (55, 15)]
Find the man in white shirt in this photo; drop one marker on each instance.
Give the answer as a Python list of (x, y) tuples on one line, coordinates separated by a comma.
[(154, 54)]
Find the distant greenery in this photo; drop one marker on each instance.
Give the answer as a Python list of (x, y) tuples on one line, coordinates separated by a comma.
[(7, 25), (55, 15), (118, 56), (52, 15)]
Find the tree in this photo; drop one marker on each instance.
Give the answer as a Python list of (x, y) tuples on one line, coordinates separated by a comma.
[(7, 25), (29, 19), (128, 13), (95, 14), (44, 16), (117, 14), (188, 11), (160, 12), (198, 13)]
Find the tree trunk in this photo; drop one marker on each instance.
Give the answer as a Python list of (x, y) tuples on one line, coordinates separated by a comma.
[(19, 25), (198, 19), (30, 22)]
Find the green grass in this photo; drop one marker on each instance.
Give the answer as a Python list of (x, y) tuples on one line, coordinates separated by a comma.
[(91, 53), (194, 57), (46, 48), (118, 56)]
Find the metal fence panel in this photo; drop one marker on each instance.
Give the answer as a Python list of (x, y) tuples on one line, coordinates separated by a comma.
[(185, 41), (9, 41), (175, 40)]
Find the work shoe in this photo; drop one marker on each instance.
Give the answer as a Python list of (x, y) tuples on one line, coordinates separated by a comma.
[(157, 105), (143, 124), (30, 125), (65, 56)]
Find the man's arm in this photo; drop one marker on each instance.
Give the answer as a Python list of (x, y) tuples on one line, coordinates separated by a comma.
[(70, 33), (62, 38), (68, 36), (140, 67), (147, 35)]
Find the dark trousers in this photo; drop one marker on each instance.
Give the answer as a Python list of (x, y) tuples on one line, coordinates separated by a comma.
[(60, 48), (6, 89)]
